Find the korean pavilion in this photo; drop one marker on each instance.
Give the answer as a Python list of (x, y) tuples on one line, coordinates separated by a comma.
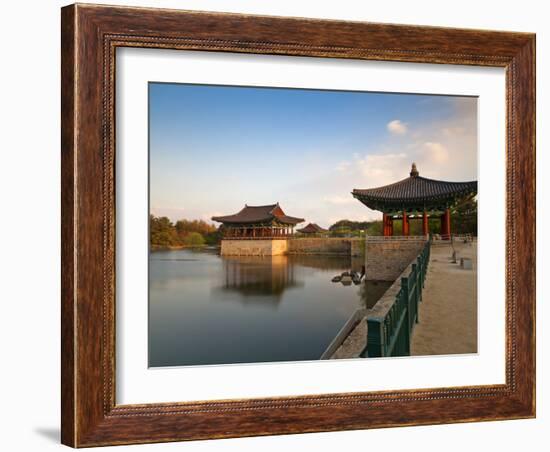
[(312, 228), (252, 222), (419, 198)]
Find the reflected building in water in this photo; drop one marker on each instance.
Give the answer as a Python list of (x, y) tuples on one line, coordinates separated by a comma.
[(259, 278)]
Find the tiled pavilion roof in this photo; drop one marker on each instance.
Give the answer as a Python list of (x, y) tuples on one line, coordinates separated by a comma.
[(415, 193), (258, 214), (312, 228)]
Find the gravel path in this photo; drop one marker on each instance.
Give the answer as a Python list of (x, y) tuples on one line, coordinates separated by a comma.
[(448, 312)]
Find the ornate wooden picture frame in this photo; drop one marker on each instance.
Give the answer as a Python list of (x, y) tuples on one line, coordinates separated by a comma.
[(90, 37)]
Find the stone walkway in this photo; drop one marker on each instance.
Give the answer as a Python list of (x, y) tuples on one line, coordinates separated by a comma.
[(448, 312)]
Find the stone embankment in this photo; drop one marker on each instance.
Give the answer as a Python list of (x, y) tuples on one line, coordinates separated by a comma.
[(276, 247)]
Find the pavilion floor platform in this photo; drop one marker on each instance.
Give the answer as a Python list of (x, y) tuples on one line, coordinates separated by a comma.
[(448, 312)]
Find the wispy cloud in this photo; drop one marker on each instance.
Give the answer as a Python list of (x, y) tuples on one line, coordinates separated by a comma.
[(397, 127), (381, 169), (436, 152)]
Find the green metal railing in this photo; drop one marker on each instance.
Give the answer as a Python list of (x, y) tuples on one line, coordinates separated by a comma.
[(390, 334)]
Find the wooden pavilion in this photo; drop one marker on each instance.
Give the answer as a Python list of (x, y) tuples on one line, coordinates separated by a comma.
[(417, 198), (258, 222), (312, 228)]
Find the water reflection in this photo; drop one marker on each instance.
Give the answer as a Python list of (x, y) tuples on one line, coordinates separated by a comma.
[(207, 309), (257, 278), (369, 292), (327, 262)]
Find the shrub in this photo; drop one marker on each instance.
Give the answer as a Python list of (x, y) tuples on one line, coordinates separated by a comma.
[(194, 239)]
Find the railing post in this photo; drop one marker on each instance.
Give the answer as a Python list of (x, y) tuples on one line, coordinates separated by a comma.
[(405, 294), (414, 295), (417, 290), (421, 270), (376, 338)]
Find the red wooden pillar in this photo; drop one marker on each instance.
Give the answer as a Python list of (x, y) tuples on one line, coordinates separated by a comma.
[(405, 224), (388, 225), (385, 228), (447, 216), (425, 228)]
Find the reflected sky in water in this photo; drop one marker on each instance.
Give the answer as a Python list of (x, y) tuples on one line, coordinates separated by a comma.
[(207, 309)]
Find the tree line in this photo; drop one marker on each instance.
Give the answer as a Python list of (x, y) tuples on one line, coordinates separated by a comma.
[(186, 233)]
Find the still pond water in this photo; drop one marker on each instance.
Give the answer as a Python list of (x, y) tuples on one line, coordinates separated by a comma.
[(208, 309)]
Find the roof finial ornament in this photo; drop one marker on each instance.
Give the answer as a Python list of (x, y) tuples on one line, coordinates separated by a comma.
[(414, 171)]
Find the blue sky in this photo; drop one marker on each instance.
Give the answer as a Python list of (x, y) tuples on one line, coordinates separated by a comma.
[(215, 148)]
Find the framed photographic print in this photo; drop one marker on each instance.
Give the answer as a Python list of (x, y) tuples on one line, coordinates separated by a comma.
[(281, 225)]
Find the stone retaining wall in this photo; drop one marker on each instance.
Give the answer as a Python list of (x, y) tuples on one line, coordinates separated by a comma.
[(316, 245), (386, 260), (254, 247), (320, 245)]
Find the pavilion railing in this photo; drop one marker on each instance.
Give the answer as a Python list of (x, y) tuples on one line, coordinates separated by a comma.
[(396, 238), (445, 238), (390, 331)]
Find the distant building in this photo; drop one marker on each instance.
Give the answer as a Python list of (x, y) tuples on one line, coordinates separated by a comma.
[(258, 222), (416, 198), (312, 228)]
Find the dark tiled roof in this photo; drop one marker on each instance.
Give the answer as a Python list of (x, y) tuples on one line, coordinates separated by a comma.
[(259, 214), (312, 228), (415, 191)]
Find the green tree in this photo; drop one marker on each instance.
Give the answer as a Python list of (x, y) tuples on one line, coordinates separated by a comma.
[(162, 232), (347, 228), (207, 231), (200, 226), (464, 217), (375, 228), (213, 238), (194, 239)]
